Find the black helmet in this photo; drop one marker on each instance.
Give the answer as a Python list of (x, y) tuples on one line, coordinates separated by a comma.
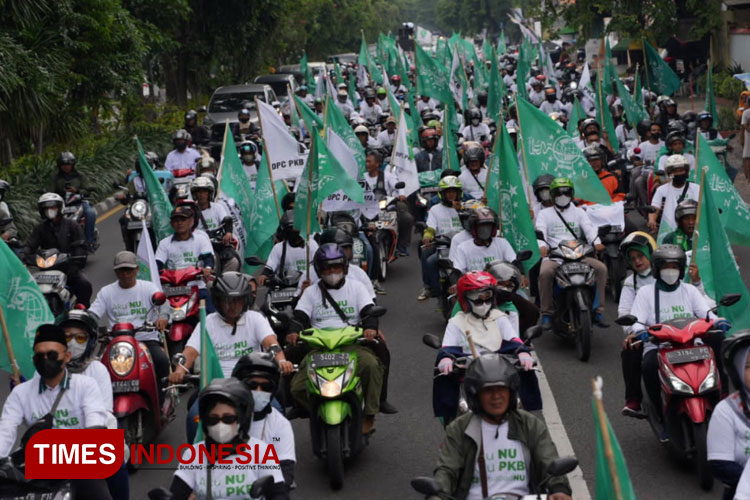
[(231, 285), (675, 136), (542, 182), (344, 221), (482, 97), (705, 115), (230, 391), (643, 127), (336, 235), (676, 126), (4, 188), (685, 207), (689, 117), (329, 254), (665, 254), (287, 201), (81, 318), (483, 215), (191, 115), (504, 271), (731, 347), (488, 370), (474, 113), (258, 364), (66, 158), (474, 153), (186, 208)]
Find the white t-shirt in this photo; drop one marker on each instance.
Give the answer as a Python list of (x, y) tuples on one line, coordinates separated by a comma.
[(185, 253), (385, 139), (456, 242), (472, 133), (355, 272), (230, 482), (276, 429), (444, 220), (554, 231), (551, 107), (252, 328), (505, 461), (251, 171), (670, 195), (97, 371), (536, 98), (352, 297), (390, 179), (470, 185), (128, 305), (649, 151), (176, 160), (455, 337), (213, 215), (370, 112), (627, 295), (81, 406), (295, 259), (729, 432), (471, 257)]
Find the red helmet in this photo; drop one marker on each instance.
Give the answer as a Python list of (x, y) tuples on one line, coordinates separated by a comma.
[(473, 284), (396, 79), (430, 133)]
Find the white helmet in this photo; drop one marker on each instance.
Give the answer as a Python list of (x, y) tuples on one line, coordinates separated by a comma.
[(202, 183), (361, 129), (49, 200), (675, 162)]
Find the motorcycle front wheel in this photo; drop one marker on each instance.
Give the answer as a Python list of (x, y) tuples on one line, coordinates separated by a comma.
[(334, 456), (383, 260), (705, 477), (582, 322)]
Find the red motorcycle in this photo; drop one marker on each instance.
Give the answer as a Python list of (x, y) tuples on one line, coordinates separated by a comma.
[(690, 386), (183, 300)]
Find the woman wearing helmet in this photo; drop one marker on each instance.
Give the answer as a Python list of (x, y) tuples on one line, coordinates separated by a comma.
[(289, 255), (495, 423), (669, 195), (430, 157), (485, 245), (260, 373), (685, 215), (676, 145), (542, 198), (353, 302), (474, 174), (226, 414), (182, 156), (8, 229)]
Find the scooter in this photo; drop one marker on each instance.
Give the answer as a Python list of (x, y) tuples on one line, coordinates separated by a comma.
[(611, 237), (559, 467), (386, 234), (276, 299), (228, 258), (336, 396), (183, 300), (445, 271), (183, 177), (359, 249), (138, 210), (48, 271), (73, 210), (15, 486), (690, 386)]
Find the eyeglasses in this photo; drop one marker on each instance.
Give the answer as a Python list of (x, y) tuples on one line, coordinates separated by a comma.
[(263, 386), (51, 355), (81, 338), (226, 418), (482, 300)]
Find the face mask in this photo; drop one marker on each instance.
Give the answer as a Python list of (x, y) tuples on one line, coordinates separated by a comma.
[(51, 213), (248, 158), (679, 180), (223, 433), (481, 310), (562, 201), (181, 147), (484, 232), (261, 399), (333, 279), (475, 121), (48, 368), (670, 276), (544, 195), (244, 119), (76, 350)]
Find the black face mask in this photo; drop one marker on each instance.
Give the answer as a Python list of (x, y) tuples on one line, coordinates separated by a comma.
[(679, 180), (181, 146), (47, 368), (244, 119), (503, 295)]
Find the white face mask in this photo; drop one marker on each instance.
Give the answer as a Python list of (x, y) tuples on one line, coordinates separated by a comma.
[(333, 279), (51, 213), (475, 121), (481, 310), (261, 399), (544, 195), (223, 433), (562, 201), (75, 349), (670, 276)]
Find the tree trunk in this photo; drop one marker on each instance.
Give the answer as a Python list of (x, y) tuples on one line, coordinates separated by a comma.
[(40, 139)]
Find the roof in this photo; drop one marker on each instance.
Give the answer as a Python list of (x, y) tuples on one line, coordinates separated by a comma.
[(279, 77), (246, 87)]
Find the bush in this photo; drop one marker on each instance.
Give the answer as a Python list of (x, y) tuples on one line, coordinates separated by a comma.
[(727, 118), (725, 85)]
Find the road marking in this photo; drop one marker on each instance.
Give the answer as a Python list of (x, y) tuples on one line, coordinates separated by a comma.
[(109, 214), (559, 436)]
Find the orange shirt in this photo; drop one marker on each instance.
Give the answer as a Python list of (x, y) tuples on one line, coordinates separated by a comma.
[(610, 183)]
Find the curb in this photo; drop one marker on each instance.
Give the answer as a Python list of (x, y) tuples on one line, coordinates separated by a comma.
[(105, 205)]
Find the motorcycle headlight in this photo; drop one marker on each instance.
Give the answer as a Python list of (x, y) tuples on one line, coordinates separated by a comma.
[(677, 384), (139, 209), (331, 388), (382, 204), (43, 263), (178, 313), (577, 279), (122, 358), (709, 382), (63, 495)]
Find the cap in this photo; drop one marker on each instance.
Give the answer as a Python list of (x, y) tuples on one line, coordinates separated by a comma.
[(390, 119), (182, 211), (343, 92), (125, 260), (50, 333)]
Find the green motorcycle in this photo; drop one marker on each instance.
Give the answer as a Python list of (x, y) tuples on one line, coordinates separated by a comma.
[(336, 395)]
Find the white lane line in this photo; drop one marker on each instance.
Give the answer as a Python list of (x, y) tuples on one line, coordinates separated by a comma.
[(559, 436)]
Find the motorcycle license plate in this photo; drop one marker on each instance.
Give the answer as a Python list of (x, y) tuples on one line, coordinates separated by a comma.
[(69, 210), (47, 279), (575, 267), (283, 295), (329, 359), (172, 291), (137, 224), (119, 386), (688, 355)]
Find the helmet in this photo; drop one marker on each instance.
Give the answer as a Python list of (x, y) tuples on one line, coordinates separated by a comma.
[(589, 122), (191, 115), (449, 182), (638, 240), (593, 152), (202, 183), (336, 235), (675, 136), (206, 163), (474, 153), (152, 159), (247, 147), (689, 117), (430, 133), (49, 200), (344, 221), (381, 91), (4, 188), (491, 369), (186, 208), (665, 254), (180, 135), (483, 215), (550, 90), (676, 126), (230, 391), (560, 184), (473, 114), (504, 271), (685, 207), (287, 201), (361, 129), (731, 348), (542, 182), (231, 285), (258, 364), (674, 162), (705, 116), (395, 79), (471, 285), (482, 97), (661, 99), (427, 115), (82, 319), (329, 254), (244, 112), (66, 158), (369, 94), (643, 127)]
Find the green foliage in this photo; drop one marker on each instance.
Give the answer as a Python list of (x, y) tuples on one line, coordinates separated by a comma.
[(726, 86), (727, 118)]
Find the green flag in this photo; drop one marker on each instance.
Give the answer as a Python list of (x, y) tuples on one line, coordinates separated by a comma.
[(486, 49), (501, 49), (522, 70), (710, 101), (307, 75), (337, 121), (210, 366), (605, 484), (414, 118), (481, 78), (323, 176), (24, 308), (576, 114), (715, 260), (506, 197), (432, 77), (265, 211), (395, 106), (158, 199), (604, 117), (638, 90), (662, 79), (610, 72), (548, 149), (337, 73), (450, 153), (495, 92), (352, 88), (310, 117), (366, 60), (634, 112)]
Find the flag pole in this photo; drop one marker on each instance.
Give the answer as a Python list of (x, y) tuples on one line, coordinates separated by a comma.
[(268, 160), (9, 346), (393, 153), (204, 358), (309, 205), (696, 232), (223, 154), (523, 153), (645, 64), (604, 426)]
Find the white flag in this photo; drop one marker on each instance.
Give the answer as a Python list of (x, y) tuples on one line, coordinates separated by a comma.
[(362, 79), (339, 201), (403, 163), (280, 147), (455, 82), (147, 268), (320, 86), (587, 91)]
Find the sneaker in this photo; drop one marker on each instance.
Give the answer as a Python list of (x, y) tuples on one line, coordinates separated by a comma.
[(424, 294), (547, 323), (633, 409), (663, 436), (599, 320), (402, 252), (387, 408), (368, 424), (378, 288)]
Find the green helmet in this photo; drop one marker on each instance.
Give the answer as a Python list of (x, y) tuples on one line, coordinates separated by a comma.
[(381, 91), (559, 183), (433, 124), (449, 182)]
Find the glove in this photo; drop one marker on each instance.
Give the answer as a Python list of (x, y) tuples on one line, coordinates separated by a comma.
[(723, 325), (527, 362), (642, 336), (445, 366), (13, 383)]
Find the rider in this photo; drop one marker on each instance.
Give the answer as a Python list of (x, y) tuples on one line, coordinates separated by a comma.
[(475, 130), (485, 246), (342, 102), (474, 175), (495, 425), (442, 219), (509, 297), (685, 215), (199, 134), (367, 141), (705, 127), (69, 180), (675, 145), (550, 104), (323, 306), (370, 110), (595, 156), (212, 215), (668, 196), (250, 161), (542, 198), (56, 231), (226, 416), (8, 229), (288, 255), (557, 224), (32, 402), (182, 156), (429, 157), (652, 145), (387, 137)]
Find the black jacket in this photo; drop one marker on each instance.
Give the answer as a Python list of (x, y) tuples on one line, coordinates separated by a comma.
[(423, 160), (74, 179), (65, 235)]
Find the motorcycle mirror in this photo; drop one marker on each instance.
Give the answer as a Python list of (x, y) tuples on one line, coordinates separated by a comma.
[(562, 466), (376, 312), (524, 255), (201, 109), (421, 226), (160, 494), (158, 298), (253, 261), (730, 299), (431, 340), (533, 332), (445, 264), (178, 359), (400, 185), (426, 485), (261, 486), (626, 320)]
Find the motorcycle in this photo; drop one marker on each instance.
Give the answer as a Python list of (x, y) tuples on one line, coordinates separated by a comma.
[(227, 257), (15, 486), (611, 236), (73, 210), (183, 177), (336, 396), (138, 210), (278, 302), (559, 467), (445, 271), (48, 270), (690, 386), (183, 300), (386, 234), (359, 249), (574, 294)]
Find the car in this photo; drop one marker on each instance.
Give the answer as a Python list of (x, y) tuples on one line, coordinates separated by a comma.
[(317, 69), (281, 83), (345, 58)]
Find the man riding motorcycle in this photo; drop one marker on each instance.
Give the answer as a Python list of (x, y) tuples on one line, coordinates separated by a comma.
[(289, 255), (429, 157), (474, 175), (182, 156), (69, 180), (685, 214), (8, 229), (250, 161), (485, 245), (476, 130), (199, 134), (211, 214), (668, 196), (595, 156)]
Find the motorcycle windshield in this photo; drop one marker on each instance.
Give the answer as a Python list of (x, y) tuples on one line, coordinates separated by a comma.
[(331, 338)]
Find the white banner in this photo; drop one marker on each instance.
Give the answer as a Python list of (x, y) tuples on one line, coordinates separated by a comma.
[(339, 200), (280, 147), (601, 215), (147, 259), (403, 163)]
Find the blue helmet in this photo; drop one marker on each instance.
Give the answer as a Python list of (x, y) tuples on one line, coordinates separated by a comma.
[(329, 254)]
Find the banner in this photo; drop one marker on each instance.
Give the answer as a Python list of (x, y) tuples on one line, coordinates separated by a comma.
[(278, 144)]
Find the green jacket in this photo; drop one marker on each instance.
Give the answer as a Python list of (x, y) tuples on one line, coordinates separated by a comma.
[(679, 238), (458, 453)]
